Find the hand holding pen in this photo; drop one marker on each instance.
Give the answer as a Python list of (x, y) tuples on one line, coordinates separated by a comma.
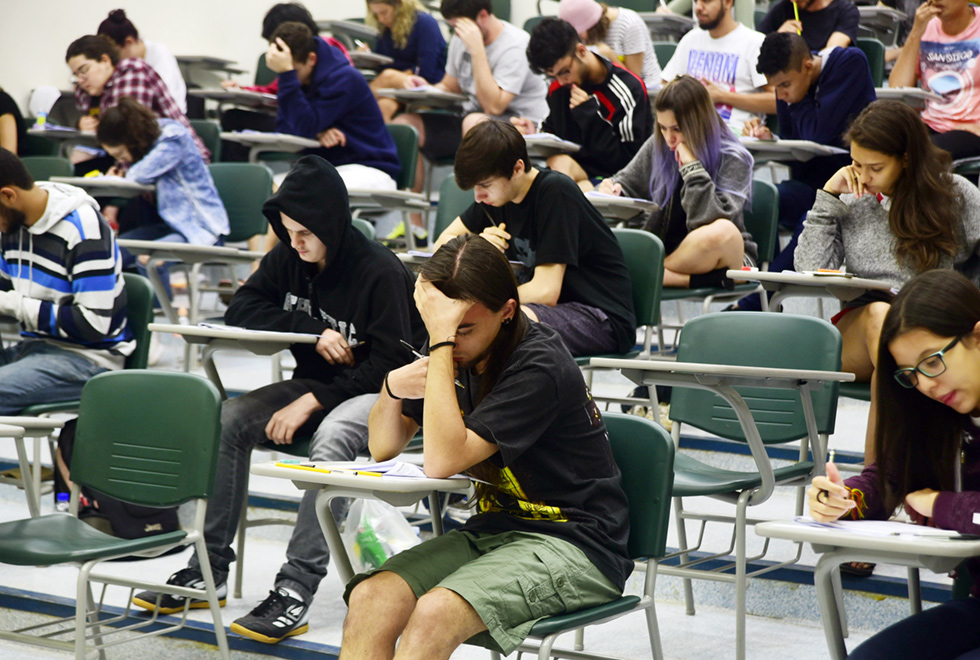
[(419, 355)]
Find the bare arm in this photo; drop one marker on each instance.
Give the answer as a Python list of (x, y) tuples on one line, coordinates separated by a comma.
[(8, 133), (904, 73), (762, 102), (838, 39), (545, 286), (634, 62)]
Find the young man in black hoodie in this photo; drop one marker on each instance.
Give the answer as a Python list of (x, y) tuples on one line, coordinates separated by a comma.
[(324, 278)]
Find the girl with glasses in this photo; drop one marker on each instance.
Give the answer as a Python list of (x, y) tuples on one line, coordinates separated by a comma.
[(928, 456)]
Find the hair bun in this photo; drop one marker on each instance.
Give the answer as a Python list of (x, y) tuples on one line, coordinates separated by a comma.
[(117, 15)]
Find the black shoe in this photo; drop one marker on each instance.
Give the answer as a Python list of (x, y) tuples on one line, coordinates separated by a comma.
[(642, 392), (168, 603), (275, 618)]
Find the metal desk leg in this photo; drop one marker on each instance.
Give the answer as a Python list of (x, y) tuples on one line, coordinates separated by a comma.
[(329, 526), (827, 600)]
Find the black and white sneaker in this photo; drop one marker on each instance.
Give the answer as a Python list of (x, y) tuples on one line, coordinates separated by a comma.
[(168, 603), (279, 616)]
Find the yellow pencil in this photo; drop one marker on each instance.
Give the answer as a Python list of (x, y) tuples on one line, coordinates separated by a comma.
[(796, 13)]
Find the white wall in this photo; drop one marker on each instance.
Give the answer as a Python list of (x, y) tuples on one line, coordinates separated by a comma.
[(34, 34)]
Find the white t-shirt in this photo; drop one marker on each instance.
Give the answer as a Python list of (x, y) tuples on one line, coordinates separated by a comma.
[(729, 61), (508, 62), (164, 63), (628, 34)]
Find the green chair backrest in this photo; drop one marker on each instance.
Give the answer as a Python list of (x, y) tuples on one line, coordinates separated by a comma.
[(139, 314), (636, 5), (644, 453), (407, 145), (874, 50), (664, 51), (762, 220), (243, 188), (501, 9), (759, 339), (644, 256), (365, 227), (148, 437), (452, 202), (36, 145), (758, 15), (531, 22), (210, 134), (263, 74), (43, 168)]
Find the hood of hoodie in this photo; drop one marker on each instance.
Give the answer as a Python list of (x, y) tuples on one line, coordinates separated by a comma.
[(315, 196), (62, 200)]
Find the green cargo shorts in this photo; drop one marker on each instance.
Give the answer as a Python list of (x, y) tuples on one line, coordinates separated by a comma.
[(511, 579)]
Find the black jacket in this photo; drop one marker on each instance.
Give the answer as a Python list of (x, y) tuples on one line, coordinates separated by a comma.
[(364, 292)]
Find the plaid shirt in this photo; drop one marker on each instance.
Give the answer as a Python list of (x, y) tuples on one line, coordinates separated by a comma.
[(136, 78)]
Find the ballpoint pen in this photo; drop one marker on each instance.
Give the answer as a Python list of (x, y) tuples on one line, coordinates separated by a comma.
[(419, 355)]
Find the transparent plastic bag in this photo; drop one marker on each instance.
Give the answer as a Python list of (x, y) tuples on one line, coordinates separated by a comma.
[(374, 532)]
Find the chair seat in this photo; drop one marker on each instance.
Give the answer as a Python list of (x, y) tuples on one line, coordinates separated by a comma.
[(672, 293), (859, 391), (555, 624), (59, 538), (39, 409), (692, 477)]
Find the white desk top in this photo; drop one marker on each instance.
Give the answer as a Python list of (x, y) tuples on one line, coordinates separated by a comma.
[(424, 95), (189, 253), (798, 150), (106, 186), (240, 96), (62, 133), (204, 334), (274, 141), (387, 198), (913, 96), (788, 277), (362, 59), (349, 480), (727, 371), (8, 431), (353, 28), (913, 545), (32, 423), (544, 144), (620, 208), (874, 11)]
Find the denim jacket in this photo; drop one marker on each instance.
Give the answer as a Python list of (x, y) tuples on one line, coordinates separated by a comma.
[(187, 198)]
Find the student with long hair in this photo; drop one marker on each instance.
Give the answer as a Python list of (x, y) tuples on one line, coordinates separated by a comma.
[(412, 38), (928, 456), (895, 212), (700, 175), (549, 501), (161, 152)]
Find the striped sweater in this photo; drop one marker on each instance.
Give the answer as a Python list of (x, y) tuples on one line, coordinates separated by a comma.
[(61, 279)]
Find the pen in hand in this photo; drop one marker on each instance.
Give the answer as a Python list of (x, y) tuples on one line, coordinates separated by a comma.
[(419, 355)]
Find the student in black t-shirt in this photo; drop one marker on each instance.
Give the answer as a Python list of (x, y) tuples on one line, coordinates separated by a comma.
[(823, 23), (574, 277), (549, 500), (12, 127), (591, 101)]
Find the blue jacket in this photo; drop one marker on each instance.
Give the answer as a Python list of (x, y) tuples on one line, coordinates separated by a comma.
[(425, 52), (187, 199), (337, 97)]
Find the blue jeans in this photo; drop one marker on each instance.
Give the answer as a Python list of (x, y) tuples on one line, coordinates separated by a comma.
[(35, 371), (338, 435), (950, 631)]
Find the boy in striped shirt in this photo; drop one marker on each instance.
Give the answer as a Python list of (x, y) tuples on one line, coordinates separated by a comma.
[(593, 102), (60, 279)]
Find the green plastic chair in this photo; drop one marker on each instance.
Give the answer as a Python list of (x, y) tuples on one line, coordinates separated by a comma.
[(263, 74), (132, 446), (664, 50), (968, 167), (762, 223), (243, 188), (407, 145), (453, 200), (757, 339), (644, 453), (37, 145), (365, 227), (43, 168), (874, 50), (210, 133), (530, 23)]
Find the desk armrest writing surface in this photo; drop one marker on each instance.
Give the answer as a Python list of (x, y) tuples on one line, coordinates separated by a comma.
[(435, 98), (787, 150), (191, 254), (106, 186), (545, 146), (260, 142), (619, 208), (33, 426), (10, 431), (788, 284), (912, 96), (369, 60), (352, 28), (245, 97), (397, 200)]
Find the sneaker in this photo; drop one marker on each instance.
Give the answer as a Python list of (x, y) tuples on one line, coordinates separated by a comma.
[(279, 616), (168, 603), (398, 234)]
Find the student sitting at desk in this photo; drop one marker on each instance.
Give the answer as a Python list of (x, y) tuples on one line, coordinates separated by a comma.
[(61, 280), (487, 64), (94, 60), (549, 501), (927, 423), (823, 23), (186, 208), (574, 277), (127, 38), (618, 34), (897, 211), (325, 278), (592, 102), (942, 53), (701, 177), (322, 97), (817, 96), (412, 38)]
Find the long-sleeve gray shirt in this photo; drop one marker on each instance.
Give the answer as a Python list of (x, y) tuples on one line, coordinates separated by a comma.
[(702, 202), (856, 230)]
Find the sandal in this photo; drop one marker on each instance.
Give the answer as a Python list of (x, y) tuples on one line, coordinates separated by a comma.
[(858, 569)]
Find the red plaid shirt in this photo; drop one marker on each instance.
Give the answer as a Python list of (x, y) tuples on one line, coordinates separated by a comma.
[(136, 78)]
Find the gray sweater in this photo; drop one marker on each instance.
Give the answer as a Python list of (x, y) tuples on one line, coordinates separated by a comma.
[(856, 231), (701, 201)]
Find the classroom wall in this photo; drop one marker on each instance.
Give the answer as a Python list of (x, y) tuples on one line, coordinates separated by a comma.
[(34, 34)]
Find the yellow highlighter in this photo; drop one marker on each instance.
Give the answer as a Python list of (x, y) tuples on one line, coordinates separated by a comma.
[(796, 14)]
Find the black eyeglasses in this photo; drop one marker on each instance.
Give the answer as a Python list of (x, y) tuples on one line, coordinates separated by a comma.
[(930, 366)]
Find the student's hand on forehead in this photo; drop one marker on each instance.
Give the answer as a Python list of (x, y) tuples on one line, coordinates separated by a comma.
[(440, 313), (469, 33), (278, 57)]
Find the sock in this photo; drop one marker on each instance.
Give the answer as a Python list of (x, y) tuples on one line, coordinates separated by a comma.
[(713, 278)]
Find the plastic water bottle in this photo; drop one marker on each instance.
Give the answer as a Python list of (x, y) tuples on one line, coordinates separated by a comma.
[(62, 503), (371, 551), (42, 118)]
